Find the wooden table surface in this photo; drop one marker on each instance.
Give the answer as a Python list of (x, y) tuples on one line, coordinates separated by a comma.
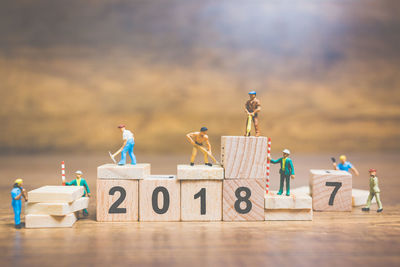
[(331, 239)]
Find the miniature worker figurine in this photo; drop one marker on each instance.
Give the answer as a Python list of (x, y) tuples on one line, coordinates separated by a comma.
[(252, 108), (197, 139), (373, 191), (345, 165), (127, 147), (79, 181), (16, 194), (286, 171)]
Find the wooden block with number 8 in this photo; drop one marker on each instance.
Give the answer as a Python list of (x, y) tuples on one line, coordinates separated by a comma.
[(243, 200), (331, 190), (117, 200)]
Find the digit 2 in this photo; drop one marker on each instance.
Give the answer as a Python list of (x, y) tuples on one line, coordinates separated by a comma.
[(114, 207)]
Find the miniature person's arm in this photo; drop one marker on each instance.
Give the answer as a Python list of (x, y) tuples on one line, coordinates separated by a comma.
[(73, 182), (120, 150), (335, 167), (354, 170), (273, 161), (86, 187), (189, 137), (258, 109), (208, 144), (291, 169)]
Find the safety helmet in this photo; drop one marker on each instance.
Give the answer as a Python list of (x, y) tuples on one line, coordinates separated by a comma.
[(18, 181), (343, 157), (252, 93), (79, 172), (286, 151)]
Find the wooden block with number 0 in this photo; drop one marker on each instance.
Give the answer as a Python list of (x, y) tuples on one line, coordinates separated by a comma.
[(117, 200), (331, 190), (243, 200)]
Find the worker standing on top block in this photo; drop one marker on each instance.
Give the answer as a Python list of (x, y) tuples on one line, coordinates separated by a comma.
[(16, 194), (286, 171), (374, 191), (127, 147), (252, 108), (197, 139), (79, 181), (344, 165)]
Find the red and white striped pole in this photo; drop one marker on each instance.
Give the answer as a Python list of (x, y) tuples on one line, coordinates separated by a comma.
[(63, 172), (268, 162)]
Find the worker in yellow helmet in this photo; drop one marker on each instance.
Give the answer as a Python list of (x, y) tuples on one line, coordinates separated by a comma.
[(17, 193), (344, 165)]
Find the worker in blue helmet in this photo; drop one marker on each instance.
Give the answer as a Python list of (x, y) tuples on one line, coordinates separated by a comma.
[(198, 139), (252, 108), (17, 193)]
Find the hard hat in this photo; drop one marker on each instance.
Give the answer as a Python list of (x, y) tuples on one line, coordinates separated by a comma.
[(252, 93), (203, 129), (79, 172), (372, 170), (121, 126), (286, 151), (18, 181), (343, 157)]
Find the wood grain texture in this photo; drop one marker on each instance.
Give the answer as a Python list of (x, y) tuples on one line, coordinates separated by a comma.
[(146, 189), (244, 157), (321, 193), (105, 200), (49, 221), (294, 201), (256, 187), (191, 207), (55, 194), (124, 172), (289, 215), (58, 209), (200, 172)]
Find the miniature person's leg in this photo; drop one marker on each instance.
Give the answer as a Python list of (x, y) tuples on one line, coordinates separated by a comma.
[(370, 196), (123, 155), (17, 214), (281, 184), (256, 125), (205, 156), (288, 185), (378, 200), (194, 153), (131, 155)]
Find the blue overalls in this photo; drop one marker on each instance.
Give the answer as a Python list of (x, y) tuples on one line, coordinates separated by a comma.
[(128, 148), (16, 204)]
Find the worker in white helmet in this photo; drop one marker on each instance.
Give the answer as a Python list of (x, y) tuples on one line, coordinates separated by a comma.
[(286, 171), (17, 193), (79, 181)]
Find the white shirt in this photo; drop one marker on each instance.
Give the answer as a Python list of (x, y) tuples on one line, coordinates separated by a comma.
[(126, 135)]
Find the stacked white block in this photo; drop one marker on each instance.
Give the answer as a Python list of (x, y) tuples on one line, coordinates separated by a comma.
[(296, 207), (54, 206)]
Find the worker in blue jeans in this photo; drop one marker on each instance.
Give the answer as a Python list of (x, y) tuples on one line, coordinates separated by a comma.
[(127, 147), (17, 193)]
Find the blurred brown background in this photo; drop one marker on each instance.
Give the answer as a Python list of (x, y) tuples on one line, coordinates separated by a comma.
[(327, 73)]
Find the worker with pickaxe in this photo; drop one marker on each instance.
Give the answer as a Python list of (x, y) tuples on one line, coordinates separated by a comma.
[(127, 147), (252, 107), (197, 139)]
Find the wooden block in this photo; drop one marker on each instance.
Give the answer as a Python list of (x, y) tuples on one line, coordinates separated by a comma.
[(201, 200), (289, 215), (360, 197), (243, 200), (159, 199), (302, 190), (117, 200), (244, 157), (56, 208), (200, 172), (49, 221), (55, 194), (294, 201), (331, 190), (125, 172)]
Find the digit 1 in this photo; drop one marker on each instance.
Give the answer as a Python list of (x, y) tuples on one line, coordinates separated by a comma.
[(154, 200), (202, 195)]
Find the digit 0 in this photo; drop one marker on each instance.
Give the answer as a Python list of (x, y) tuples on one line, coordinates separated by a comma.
[(154, 200), (244, 199)]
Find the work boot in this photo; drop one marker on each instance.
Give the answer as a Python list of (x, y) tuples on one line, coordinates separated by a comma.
[(365, 209), (18, 226), (209, 164), (85, 213), (279, 193), (287, 193), (379, 210), (191, 164)]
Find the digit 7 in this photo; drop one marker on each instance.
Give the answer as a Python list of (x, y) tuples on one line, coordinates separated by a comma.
[(337, 185)]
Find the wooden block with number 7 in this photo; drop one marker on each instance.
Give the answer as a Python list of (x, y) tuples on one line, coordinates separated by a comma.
[(117, 200), (331, 190), (243, 200)]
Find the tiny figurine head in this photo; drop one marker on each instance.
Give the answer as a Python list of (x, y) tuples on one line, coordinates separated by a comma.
[(203, 131), (342, 159), (121, 127), (18, 182), (252, 94), (286, 153), (78, 174), (372, 172)]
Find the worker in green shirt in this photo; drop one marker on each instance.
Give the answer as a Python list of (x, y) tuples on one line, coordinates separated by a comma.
[(373, 191), (286, 171), (79, 181)]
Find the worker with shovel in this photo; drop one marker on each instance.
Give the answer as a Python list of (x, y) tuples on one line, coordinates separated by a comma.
[(197, 139), (127, 147), (252, 107)]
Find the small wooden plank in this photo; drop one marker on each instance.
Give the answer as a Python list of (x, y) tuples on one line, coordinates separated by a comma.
[(159, 199), (200, 172), (294, 201), (250, 206), (117, 200), (58, 209), (55, 194), (124, 172), (201, 200), (49, 221), (331, 189), (289, 215), (244, 157), (360, 197)]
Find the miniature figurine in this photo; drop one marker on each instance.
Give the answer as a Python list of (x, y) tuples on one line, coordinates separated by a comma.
[(252, 107), (197, 139), (344, 165), (79, 181), (128, 145), (16, 194), (286, 171), (373, 191)]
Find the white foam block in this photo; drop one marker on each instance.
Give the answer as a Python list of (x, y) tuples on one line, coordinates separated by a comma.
[(125, 172), (49, 221), (56, 208), (360, 197), (55, 194), (294, 201), (302, 189), (289, 215), (200, 172)]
